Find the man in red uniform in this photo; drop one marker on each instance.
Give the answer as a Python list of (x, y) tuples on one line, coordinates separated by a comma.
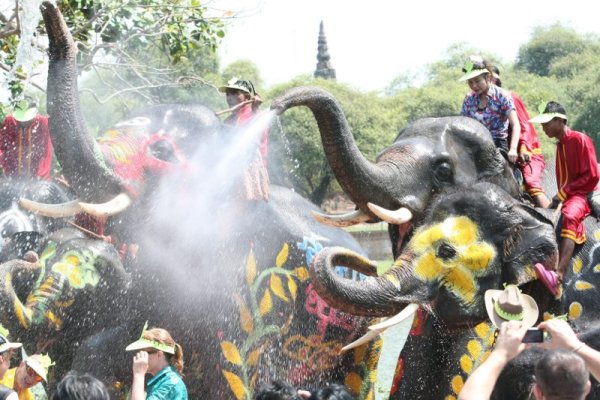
[(576, 176), (531, 160), (25, 144), (244, 102)]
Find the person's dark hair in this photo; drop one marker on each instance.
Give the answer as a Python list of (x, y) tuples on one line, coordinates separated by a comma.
[(277, 390), (562, 374), (480, 63), (333, 392), (555, 107), (496, 74), (80, 387)]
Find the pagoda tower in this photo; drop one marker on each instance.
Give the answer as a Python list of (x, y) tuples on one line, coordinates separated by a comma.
[(324, 69)]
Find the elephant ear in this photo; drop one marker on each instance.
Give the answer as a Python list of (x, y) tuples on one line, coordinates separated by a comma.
[(532, 241)]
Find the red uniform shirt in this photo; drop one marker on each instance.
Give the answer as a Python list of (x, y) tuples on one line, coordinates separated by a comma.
[(241, 117), (576, 175), (26, 147)]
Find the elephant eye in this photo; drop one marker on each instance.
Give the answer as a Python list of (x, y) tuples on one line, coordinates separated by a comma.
[(445, 251), (444, 173)]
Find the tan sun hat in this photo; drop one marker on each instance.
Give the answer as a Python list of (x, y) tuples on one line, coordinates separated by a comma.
[(40, 363), (510, 305), (549, 111)]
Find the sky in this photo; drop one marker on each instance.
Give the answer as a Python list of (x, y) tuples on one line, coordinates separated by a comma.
[(371, 42)]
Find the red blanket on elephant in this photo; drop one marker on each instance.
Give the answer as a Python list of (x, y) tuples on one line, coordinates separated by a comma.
[(26, 147)]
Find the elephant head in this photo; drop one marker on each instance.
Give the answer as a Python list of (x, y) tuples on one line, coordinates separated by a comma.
[(471, 239), (427, 156), (72, 274), (155, 139)]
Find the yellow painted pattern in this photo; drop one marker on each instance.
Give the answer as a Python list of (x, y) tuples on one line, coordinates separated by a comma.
[(482, 330), (475, 348), (583, 285), (457, 383), (458, 274), (597, 268), (466, 363), (575, 310), (577, 265), (597, 234)]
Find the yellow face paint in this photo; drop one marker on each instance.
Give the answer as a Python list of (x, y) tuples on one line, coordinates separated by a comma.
[(458, 273)]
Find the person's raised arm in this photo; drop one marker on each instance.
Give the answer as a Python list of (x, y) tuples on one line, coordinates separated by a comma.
[(563, 337), (509, 344), (140, 367), (513, 120)]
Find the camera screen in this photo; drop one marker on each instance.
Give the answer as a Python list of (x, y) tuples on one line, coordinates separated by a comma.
[(533, 335)]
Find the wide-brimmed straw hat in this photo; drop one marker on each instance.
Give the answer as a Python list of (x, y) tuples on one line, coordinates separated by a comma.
[(474, 66), (510, 305), (549, 111), (142, 343), (239, 84), (25, 110)]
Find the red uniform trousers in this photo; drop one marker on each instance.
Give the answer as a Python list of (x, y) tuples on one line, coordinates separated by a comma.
[(532, 174), (574, 211)]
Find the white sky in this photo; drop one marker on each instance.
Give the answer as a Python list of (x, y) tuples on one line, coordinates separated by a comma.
[(371, 42)]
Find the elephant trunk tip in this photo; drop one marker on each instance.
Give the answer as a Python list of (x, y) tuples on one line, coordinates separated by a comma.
[(278, 108)]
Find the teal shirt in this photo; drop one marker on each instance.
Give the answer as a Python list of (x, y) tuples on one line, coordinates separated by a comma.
[(166, 385)]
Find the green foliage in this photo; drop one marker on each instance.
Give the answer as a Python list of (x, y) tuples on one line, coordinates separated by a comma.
[(547, 45)]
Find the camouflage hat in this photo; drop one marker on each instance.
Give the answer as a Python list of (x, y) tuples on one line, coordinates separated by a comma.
[(244, 85)]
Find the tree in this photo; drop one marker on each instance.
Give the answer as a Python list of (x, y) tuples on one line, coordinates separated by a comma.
[(243, 69), (547, 45), (143, 45)]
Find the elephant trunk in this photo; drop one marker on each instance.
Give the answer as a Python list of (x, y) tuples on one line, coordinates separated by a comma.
[(362, 180), (81, 160), (381, 296)]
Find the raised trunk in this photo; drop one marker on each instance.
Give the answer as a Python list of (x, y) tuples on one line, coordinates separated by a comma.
[(81, 160), (381, 296), (362, 180)]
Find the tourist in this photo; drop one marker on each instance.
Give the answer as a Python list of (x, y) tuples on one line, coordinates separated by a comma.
[(559, 374), (30, 372), (25, 143), (6, 353), (158, 355), (531, 160), (491, 105), (80, 387), (244, 102), (334, 391), (577, 176), (277, 390)]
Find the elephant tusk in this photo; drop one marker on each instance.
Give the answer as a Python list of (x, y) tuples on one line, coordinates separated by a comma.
[(407, 312), (367, 337), (118, 204), (375, 330), (67, 209), (398, 217), (341, 220)]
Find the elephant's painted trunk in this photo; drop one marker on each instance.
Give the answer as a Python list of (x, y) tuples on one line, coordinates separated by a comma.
[(362, 180), (75, 148), (381, 296)]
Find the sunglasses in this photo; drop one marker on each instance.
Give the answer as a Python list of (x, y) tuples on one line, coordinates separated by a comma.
[(34, 375)]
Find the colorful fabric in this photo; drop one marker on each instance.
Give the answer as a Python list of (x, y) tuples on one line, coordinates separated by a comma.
[(577, 175), (26, 147), (166, 385), (529, 144), (9, 381), (494, 116)]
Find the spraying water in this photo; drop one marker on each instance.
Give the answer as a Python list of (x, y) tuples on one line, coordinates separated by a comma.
[(28, 55)]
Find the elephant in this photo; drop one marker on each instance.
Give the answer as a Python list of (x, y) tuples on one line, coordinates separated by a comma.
[(427, 156), (226, 276), (470, 239)]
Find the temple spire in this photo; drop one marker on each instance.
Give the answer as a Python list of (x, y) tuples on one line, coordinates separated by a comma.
[(324, 69)]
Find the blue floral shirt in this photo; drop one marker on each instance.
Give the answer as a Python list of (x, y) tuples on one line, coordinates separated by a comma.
[(494, 116), (166, 385)]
